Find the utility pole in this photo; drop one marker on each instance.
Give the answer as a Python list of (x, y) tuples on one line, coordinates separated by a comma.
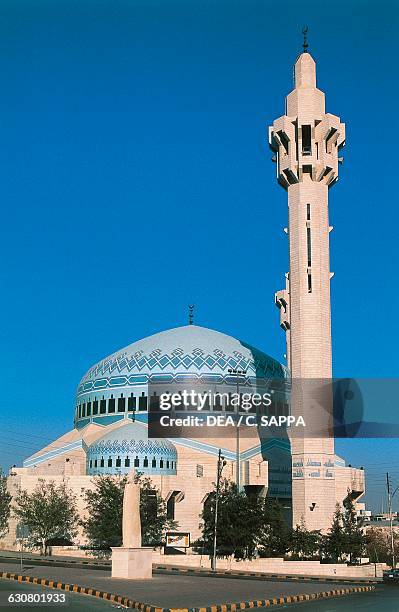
[(220, 466), (391, 521), (237, 373)]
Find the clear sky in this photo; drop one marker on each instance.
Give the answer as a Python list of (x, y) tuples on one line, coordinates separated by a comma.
[(136, 178)]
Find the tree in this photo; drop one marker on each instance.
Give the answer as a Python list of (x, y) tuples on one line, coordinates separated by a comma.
[(103, 525), (239, 521), (334, 543), (48, 513), (355, 541), (275, 535), (345, 538), (378, 545), (5, 505), (153, 514), (305, 544)]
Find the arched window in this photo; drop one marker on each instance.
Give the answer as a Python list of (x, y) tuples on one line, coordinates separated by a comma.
[(95, 463), (118, 462), (170, 507), (154, 463), (102, 462), (161, 463), (131, 403), (127, 462), (143, 402), (136, 462), (110, 462), (167, 465), (91, 463), (145, 463), (111, 404)]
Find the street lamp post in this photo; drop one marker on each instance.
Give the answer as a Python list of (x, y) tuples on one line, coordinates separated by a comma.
[(390, 497), (220, 466), (237, 373)]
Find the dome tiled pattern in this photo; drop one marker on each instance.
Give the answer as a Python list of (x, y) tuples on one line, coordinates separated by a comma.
[(186, 349), (128, 447), (174, 355)]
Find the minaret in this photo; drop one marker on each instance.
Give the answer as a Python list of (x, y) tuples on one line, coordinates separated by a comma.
[(306, 141)]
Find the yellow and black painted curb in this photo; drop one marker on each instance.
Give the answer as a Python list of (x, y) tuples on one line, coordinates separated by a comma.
[(228, 607), (276, 601)]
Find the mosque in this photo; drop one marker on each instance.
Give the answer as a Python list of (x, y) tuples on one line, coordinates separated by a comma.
[(110, 416)]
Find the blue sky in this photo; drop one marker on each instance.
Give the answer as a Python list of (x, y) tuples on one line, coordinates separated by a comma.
[(136, 178)]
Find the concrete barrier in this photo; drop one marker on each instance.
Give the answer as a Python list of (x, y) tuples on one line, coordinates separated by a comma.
[(267, 566), (275, 566)]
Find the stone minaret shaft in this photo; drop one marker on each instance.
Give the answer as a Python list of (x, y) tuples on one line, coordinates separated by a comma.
[(306, 141)]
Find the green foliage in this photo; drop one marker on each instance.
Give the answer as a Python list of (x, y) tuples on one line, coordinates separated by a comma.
[(274, 539), (251, 525), (345, 538), (247, 525), (5, 505), (305, 544), (49, 513), (239, 521), (103, 525), (334, 543), (355, 539), (154, 521)]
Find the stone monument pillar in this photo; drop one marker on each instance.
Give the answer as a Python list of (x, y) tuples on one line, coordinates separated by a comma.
[(131, 560)]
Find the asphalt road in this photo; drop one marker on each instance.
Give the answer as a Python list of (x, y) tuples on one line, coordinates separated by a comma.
[(73, 600), (383, 599), (177, 591)]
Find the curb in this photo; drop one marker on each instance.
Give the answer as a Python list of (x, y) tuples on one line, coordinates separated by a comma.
[(170, 569), (227, 607)]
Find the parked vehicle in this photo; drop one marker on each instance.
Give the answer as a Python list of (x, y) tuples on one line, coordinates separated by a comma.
[(391, 576)]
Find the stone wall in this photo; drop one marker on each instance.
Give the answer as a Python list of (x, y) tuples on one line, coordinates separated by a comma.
[(267, 566), (276, 566)]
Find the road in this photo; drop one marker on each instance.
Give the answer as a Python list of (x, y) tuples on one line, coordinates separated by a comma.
[(384, 599), (178, 591), (74, 601)]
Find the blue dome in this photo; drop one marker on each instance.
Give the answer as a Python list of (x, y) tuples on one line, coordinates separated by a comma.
[(128, 447), (119, 383)]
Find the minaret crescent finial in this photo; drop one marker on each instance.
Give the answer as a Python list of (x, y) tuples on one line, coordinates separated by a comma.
[(191, 314), (305, 44)]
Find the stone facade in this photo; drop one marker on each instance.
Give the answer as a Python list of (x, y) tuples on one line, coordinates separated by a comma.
[(190, 487)]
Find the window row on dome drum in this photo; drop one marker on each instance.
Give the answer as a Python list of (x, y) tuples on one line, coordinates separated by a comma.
[(111, 405), (162, 464)]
